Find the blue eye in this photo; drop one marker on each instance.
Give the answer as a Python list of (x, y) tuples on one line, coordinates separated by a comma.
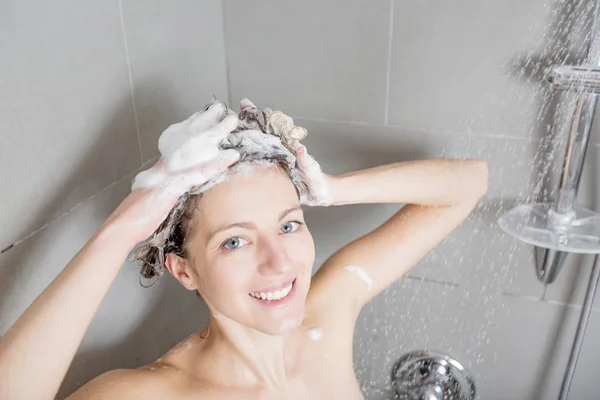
[(234, 243), (290, 227)]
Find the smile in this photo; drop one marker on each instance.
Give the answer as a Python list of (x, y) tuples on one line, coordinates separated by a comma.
[(273, 295)]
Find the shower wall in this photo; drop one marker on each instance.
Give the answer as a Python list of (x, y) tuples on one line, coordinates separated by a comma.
[(383, 81), (85, 90)]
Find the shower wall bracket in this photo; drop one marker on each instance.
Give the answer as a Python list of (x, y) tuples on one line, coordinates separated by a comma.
[(563, 227)]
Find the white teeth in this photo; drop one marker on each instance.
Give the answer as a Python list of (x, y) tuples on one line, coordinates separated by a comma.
[(278, 295)]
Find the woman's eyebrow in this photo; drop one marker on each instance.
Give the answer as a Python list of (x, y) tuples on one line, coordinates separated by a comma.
[(250, 225), (245, 225), (288, 211)]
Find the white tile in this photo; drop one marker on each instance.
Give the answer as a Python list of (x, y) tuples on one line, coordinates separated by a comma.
[(177, 56), (478, 67), (66, 114), (310, 58)]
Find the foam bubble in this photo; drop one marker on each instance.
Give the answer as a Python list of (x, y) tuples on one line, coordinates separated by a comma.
[(361, 274), (315, 333)]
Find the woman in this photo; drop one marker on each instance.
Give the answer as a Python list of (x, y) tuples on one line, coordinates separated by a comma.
[(226, 222)]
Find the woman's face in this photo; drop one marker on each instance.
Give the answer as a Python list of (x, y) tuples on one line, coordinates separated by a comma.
[(252, 252)]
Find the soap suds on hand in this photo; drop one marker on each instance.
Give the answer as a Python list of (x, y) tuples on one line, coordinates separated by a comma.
[(253, 138), (361, 274)]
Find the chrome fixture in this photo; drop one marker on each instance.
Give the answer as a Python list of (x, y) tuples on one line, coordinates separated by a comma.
[(562, 227), (429, 375)]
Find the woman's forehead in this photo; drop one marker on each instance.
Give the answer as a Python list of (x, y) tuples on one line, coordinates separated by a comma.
[(264, 192)]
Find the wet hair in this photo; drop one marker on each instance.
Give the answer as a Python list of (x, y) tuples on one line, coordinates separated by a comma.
[(259, 145)]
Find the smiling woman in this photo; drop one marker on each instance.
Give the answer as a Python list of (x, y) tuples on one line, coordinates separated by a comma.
[(221, 211), (259, 143)]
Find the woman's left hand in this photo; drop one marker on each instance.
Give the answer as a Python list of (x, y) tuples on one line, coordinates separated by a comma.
[(319, 183)]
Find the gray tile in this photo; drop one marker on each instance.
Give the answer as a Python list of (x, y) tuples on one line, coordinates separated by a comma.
[(478, 254), (28, 267), (514, 348), (414, 315), (310, 58), (66, 115), (572, 281), (177, 56), (479, 67), (133, 325), (533, 341), (513, 163)]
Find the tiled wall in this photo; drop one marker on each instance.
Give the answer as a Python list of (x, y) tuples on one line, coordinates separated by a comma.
[(85, 90), (382, 81)]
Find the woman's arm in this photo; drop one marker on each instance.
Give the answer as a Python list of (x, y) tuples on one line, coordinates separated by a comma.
[(439, 194), (36, 351)]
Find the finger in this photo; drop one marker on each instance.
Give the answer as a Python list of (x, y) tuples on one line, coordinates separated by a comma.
[(245, 103), (224, 160), (302, 155), (224, 128), (307, 164), (298, 133), (208, 119), (220, 164)]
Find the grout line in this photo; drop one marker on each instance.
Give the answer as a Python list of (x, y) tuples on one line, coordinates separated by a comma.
[(389, 64), (19, 241), (131, 87), (415, 129), (429, 280), (549, 302), (570, 305), (16, 243), (227, 75), (522, 297)]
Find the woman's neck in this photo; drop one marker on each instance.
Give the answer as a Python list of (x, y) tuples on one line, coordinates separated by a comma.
[(250, 355)]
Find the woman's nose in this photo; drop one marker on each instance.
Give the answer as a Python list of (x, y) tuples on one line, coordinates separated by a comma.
[(275, 259)]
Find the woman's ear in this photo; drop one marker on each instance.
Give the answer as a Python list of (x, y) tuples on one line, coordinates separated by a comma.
[(181, 270)]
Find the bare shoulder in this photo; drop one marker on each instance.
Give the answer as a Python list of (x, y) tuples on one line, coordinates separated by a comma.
[(153, 381), (167, 378), (118, 384)]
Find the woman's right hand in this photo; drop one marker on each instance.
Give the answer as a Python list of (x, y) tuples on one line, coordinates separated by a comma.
[(43, 341), (156, 191)]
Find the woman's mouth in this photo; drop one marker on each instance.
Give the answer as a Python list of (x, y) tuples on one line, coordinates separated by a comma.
[(275, 296)]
